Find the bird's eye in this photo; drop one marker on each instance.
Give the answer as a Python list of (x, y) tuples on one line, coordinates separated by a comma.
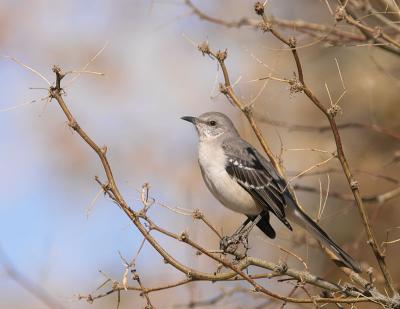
[(212, 123)]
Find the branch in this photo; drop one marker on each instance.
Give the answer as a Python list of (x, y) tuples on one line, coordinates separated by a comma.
[(376, 35), (356, 171), (322, 129), (110, 188), (339, 36), (370, 199), (330, 114)]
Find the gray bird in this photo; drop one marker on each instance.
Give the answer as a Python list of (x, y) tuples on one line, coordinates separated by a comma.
[(245, 182)]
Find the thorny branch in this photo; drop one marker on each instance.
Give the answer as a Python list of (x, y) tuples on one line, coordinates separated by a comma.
[(371, 36), (322, 129), (330, 33), (376, 34), (234, 270), (330, 112), (369, 199), (228, 91)]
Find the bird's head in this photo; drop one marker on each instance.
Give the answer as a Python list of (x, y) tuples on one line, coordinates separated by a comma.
[(212, 125)]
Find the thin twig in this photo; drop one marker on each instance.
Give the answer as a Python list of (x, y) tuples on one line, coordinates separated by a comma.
[(28, 68), (323, 129), (330, 114)]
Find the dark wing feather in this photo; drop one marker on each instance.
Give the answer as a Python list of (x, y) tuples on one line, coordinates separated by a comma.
[(264, 224), (261, 181)]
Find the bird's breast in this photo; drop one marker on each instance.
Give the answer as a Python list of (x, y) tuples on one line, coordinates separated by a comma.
[(224, 188)]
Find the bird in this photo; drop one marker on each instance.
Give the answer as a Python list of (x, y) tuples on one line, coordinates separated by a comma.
[(243, 180)]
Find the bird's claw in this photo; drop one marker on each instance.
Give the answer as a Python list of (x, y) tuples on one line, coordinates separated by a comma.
[(230, 244)]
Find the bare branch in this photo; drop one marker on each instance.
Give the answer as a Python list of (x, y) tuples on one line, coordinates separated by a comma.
[(322, 129)]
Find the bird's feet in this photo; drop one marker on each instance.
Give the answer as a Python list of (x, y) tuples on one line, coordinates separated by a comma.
[(231, 244)]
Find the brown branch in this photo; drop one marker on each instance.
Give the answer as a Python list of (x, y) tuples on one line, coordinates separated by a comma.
[(330, 114), (298, 25), (322, 129), (383, 197), (370, 199), (235, 274), (227, 89), (369, 8), (236, 270), (278, 269), (356, 171), (376, 35), (111, 189), (322, 32), (372, 33), (143, 290), (340, 36)]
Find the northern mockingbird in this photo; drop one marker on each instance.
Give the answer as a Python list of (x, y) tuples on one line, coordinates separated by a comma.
[(245, 182)]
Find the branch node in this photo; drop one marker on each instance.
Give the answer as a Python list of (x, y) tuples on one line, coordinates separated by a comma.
[(204, 48), (265, 26), (259, 8), (257, 289), (223, 89), (74, 125), (248, 110), (59, 76), (197, 214), (221, 55), (295, 86), (104, 149), (135, 275), (281, 268), (377, 32), (340, 13), (292, 42), (334, 110), (184, 237), (354, 184)]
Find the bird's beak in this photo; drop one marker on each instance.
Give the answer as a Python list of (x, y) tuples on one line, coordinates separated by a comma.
[(190, 119)]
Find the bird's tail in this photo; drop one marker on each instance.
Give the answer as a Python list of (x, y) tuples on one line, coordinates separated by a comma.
[(302, 219)]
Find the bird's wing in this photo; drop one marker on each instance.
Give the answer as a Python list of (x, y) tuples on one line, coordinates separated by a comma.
[(257, 176)]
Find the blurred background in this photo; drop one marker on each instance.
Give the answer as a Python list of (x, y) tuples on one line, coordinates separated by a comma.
[(58, 231)]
